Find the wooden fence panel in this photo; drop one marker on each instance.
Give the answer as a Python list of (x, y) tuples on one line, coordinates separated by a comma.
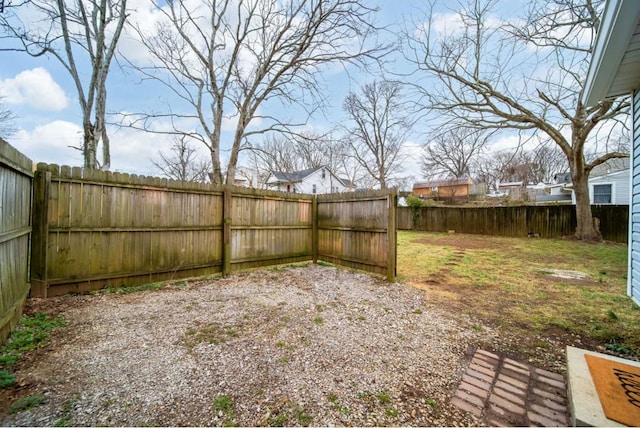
[(551, 221), (270, 228), (99, 229), (359, 230), (114, 229), (16, 179)]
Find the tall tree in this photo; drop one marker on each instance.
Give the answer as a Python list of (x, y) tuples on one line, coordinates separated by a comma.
[(82, 35), (228, 59), (182, 163), (380, 125), (524, 76), (451, 154)]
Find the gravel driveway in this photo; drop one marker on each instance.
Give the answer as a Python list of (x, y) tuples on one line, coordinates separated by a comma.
[(307, 345)]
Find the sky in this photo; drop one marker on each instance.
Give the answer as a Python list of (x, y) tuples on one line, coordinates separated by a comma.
[(43, 98)]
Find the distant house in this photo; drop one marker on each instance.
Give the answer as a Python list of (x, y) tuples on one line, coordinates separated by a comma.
[(609, 183), (313, 180), (452, 188), (514, 189)]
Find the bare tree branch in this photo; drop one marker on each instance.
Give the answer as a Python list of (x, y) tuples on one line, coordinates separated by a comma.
[(226, 60), (78, 34), (523, 75)]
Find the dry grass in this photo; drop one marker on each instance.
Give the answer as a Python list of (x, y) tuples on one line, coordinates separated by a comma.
[(507, 282)]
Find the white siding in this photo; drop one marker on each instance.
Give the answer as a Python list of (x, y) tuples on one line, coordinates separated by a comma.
[(619, 182), (634, 217)]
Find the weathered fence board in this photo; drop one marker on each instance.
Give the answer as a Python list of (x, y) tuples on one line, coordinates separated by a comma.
[(359, 231), (546, 221), (15, 230), (99, 229)]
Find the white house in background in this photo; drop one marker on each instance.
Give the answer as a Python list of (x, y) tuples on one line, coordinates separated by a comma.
[(609, 183), (615, 71), (313, 180)]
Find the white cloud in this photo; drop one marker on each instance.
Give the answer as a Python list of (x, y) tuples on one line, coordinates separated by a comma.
[(35, 88), (51, 143)]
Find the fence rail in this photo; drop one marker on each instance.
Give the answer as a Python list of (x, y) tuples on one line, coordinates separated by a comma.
[(546, 221), (96, 229), (15, 231)]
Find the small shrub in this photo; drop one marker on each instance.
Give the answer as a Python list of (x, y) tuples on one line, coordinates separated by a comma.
[(318, 320), (383, 397)]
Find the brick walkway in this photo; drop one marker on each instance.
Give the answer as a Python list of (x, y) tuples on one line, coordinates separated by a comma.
[(504, 392)]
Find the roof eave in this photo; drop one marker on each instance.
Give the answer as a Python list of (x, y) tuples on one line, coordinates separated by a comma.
[(619, 19)]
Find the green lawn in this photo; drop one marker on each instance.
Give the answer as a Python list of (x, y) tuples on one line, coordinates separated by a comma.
[(507, 282)]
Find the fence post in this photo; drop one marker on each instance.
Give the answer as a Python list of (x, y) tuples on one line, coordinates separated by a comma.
[(314, 229), (392, 238), (40, 234), (226, 232)]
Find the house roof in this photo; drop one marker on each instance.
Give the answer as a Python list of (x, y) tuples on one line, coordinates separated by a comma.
[(294, 177), (441, 183), (615, 64), (611, 166)]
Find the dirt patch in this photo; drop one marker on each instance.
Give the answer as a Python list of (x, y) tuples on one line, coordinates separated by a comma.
[(312, 345)]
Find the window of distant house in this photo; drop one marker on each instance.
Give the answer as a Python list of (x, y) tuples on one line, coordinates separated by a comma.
[(602, 194), (314, 188), (434, 189), (323, 175)]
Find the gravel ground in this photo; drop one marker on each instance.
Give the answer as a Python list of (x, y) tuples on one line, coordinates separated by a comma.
[(292, 346)]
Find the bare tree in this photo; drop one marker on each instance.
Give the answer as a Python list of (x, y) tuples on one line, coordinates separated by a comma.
[(82, 35), (7, 120), (548, 160), (290, 153), (524, 76), (451, 154), (183, 163), (228, 59), (381, 125)]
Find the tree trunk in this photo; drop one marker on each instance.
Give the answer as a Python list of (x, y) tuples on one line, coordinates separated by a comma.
[(89, 147), (585, 229)]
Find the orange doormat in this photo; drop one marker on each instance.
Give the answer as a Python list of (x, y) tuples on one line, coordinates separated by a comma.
[(618, 387)]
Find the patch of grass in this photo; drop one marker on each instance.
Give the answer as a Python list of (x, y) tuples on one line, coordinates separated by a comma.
[(128, 289), (63, 422), (390, 412), (361, 318), (323, 263), (417, 311), (504, 281), (477, 328), (318, 320), (302, 417), (277, 420), (31, 333), (319, 308), (431, 402), (6, 379), (283, 360), (214, 334), (26, 403), (223, 404), (383, 397)]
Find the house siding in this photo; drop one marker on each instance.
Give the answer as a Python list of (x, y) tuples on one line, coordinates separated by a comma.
[(634, 218), (329, 184), (619, 187)]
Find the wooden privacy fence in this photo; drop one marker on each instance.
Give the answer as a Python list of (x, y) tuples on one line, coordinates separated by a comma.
[(15, 230), (547, 221), (95, 228)]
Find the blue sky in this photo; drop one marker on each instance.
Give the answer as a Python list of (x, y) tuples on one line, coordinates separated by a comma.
[(42, 96)]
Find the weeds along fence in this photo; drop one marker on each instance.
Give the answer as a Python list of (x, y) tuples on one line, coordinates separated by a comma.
[(95, 229), (15, 230), (518, 221)]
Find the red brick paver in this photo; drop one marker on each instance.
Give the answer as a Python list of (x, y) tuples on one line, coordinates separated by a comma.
[(504, 392)]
